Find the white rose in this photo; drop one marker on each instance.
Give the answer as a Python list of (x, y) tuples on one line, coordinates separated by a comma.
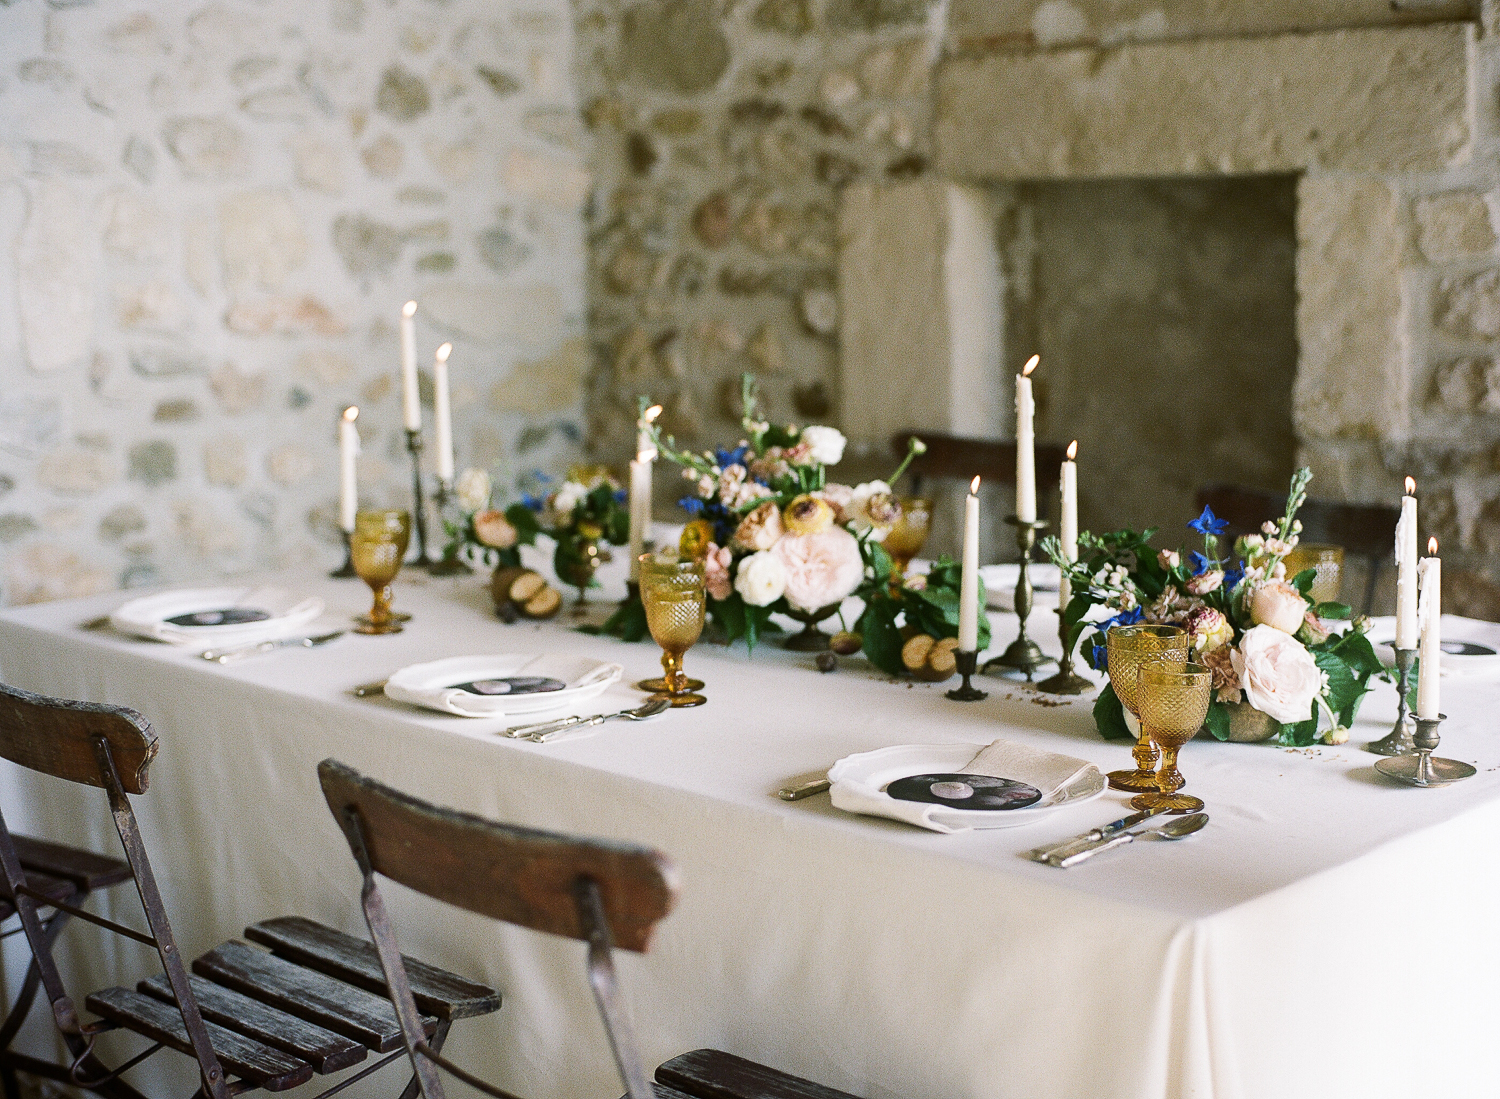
[(827, 444), (1279, 676), (472, 489), (568, 497), (859, 512), (1277, 603), (761, 579)]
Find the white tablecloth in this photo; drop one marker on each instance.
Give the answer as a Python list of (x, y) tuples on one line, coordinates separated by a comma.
[(1328, 935)]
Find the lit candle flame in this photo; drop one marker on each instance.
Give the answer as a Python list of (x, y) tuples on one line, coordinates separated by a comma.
[(409, 309), (1432, 547), (1072, 450), (974, 486), (351, 413), (1030, 366), (444, 351), (1411, 487)]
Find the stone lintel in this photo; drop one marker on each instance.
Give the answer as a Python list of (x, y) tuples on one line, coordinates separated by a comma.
[(920, 302), (1378, 99)]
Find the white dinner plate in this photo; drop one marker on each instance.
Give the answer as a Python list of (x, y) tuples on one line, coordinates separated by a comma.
[(169, 616), (1000, 585), (869, 773), (438, 684)]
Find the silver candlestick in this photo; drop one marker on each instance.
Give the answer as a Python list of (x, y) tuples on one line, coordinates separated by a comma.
[(967, 692), (1421, 768), (1022, 654), (419, 502), (450, 564), (1398, 742), (1066, 681)]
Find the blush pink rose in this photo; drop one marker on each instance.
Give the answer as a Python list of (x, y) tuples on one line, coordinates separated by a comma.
[(1279, 676), (1276, 603), (716, 580), (821, 568)]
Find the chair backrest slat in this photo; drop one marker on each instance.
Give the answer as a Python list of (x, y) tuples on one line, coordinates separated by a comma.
[(520, 875), (56, 737)]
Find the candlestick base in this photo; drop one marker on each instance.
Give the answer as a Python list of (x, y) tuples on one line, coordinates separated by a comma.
[(1065, 682), (346, 570), (419, 503), (1421, 768), (1022, 654), (967, 692), (1398, 742)]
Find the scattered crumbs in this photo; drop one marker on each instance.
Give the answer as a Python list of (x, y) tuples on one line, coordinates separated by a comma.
[(1043, 700), (1310, 753)]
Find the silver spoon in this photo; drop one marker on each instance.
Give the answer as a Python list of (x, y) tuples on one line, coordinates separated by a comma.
[(649, 708), (1173, 830)]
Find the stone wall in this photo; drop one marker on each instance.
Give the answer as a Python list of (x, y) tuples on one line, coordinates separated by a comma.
[(210, 216)]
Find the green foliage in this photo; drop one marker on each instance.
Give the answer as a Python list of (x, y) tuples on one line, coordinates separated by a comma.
[(628, 622), (932, 609), (1217, 721), (1109, 716)]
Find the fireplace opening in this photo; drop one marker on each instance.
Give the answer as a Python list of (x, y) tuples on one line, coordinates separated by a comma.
[(1165, 315)]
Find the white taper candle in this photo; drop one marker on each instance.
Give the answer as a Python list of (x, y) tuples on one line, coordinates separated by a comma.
[(968, 591), (1067, 526), (411, 398), (442, 412), (348, 477), (1406, 570), (1430, 570), (1026, 444)]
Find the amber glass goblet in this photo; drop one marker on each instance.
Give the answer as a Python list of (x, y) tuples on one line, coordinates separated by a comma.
[(377, 547), (1129, 648), (1174, 702), (1327, 563), (673, 595), (909, 534)]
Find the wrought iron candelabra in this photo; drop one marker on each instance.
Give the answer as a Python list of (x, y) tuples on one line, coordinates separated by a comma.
[(1022, 654)]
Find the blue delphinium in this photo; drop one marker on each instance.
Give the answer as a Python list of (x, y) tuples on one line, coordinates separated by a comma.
[(1209, 523), (1201, 564)]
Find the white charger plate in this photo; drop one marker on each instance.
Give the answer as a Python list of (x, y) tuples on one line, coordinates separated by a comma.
[(147, 616), (869, 773), (432, 685), (1463, 645)]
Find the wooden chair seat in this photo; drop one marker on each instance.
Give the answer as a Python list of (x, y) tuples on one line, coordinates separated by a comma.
[(84, 869), (436, 991), (713, 1074), (55, 889)]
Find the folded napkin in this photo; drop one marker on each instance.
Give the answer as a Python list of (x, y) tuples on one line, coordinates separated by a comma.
[(147, 616), (1060, 778), (430, 685)]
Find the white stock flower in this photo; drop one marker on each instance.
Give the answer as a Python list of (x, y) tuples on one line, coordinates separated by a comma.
[(1279, 676), (761, 579), (827, 444), (472, 489)]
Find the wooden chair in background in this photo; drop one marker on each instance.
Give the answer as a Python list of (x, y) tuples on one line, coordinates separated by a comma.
[(607, 894), (1365, 531), (251, 1019), (951, 457)]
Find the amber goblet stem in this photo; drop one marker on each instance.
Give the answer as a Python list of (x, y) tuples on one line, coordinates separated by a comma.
[(380, 610)]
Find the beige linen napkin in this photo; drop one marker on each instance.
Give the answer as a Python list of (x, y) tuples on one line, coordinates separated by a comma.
[(1057, 776)]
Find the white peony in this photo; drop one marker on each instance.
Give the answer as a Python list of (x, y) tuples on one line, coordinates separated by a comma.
[(568, 497), (827, 444), (472, 489), (1279, 676), (761, 579)]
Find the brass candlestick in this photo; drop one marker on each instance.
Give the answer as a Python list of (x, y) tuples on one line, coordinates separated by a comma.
[(967, 692), (1022, 654), (1421, 768), (450, 564), (1066, 681), (419, 504), (1398, 742), (346, 570)]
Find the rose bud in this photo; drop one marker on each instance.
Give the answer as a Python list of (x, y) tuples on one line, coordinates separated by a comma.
[(494, 529)]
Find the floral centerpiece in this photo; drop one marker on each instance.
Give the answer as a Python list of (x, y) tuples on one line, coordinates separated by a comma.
[(777, 535), (1258, 631), (587, 508)]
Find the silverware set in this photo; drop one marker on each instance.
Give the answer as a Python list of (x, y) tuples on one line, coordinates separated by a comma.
[(225, 656), (1116, 834), (542, 731)]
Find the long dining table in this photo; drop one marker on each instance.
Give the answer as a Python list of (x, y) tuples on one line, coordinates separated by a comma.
[(1329, 934)]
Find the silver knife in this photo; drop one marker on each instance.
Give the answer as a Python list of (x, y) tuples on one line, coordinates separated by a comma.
[(224, 656), (1045, 854), (804, 789)]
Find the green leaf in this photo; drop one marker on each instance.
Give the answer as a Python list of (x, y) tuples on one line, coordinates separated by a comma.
[(729, 615), (1303, 582), (628, 622), (1354, 648), (1217, 721), (882, 637), (1339, 611), (1109, 716), (1300, 735), (525, 521), (878, 561), (1344, 689)]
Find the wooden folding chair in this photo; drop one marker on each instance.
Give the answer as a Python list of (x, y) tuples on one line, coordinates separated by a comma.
[(605, 893), (250, 1019)]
